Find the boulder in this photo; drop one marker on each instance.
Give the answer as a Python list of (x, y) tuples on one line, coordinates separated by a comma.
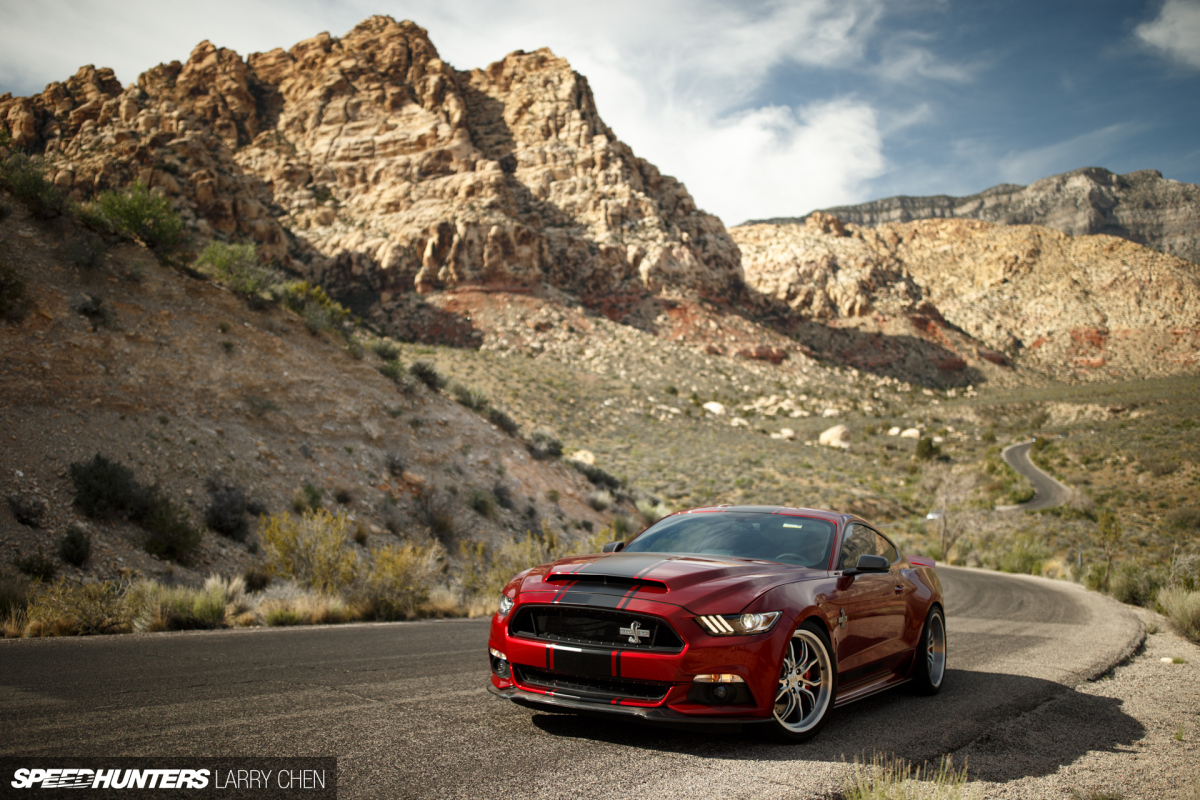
[(837, 436)]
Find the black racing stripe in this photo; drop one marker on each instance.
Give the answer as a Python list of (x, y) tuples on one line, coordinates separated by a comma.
[(566, 587), (646, 571), (592, 663), (633, 565), (549, 658), (624, 603), (590, 597), (616, 663)]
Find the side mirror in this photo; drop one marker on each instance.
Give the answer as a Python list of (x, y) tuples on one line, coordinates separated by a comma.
[(614, 547), (868, 564)]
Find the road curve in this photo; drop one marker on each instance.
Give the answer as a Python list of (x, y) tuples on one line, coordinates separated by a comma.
[(403, 706), (1048, 491)]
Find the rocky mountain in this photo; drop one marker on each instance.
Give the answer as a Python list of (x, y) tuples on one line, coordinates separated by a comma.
[(1024, 294), (376, 168), (1141, 206)]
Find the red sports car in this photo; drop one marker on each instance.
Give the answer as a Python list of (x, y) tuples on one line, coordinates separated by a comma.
[(727, 614)]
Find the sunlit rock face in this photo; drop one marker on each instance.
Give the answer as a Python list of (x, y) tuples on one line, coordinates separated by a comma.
[(377, 168)]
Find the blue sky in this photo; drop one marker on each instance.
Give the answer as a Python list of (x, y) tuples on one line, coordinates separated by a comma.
[(761, 108)]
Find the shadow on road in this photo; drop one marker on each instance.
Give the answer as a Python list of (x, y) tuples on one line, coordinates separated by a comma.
[(983, 712)]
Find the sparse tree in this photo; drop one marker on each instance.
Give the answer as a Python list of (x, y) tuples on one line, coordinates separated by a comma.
[(950, 491)]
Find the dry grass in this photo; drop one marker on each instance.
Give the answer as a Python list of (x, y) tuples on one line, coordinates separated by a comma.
[(894, 779), (1182, 607)]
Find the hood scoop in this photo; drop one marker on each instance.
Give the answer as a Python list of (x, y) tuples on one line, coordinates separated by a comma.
[(593, 579)]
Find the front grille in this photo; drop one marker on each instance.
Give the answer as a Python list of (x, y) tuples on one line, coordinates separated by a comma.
[(594, 626), (587, 688)]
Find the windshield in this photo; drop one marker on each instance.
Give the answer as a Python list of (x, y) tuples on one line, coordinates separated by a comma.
[(801, 541)]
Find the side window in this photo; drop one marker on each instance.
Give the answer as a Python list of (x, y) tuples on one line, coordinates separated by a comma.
[(859, 541), (886, 548)]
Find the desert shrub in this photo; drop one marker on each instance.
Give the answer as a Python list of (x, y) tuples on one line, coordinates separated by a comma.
[(620, 526), (407, 384), (385, 350), (92, 307), (343, 495), (652, 511), (503, 495), (76, 546), (1182, 607), (396, 464), (286, 603), (1134, 584), (238, 267), (502, 421), (895, 779), (311, 549), (170, 533), (226, 512), (483, 502), (15, 593), (12, 294), (1021, 494), (154, 607), (544, 444), (435, 510), (37, 565), (316, 308), (26, 179), (27, 510), (87, 251), (307, 498), (600, 500), (1185, 519), (1025, 556), (427, 373), (400, 579), (257, 577), (926, 449), (392, 370), (596, 475), (65, 607), (1185, 572), (473, 399), (1159, 465), (144, 217)]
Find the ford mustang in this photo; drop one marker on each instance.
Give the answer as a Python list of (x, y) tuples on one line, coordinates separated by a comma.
[(740, 614)]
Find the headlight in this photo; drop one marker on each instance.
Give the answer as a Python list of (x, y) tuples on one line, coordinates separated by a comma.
[(738, 624), (506, 605)]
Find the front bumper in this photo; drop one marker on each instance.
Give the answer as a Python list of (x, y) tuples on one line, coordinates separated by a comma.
[(650, 685)]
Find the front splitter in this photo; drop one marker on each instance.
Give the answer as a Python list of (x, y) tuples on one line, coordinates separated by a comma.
[(563, 702)]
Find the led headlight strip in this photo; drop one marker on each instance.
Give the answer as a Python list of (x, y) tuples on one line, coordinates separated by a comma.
[(738, 624)]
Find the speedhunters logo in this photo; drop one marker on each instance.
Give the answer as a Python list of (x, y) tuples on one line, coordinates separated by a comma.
[(111, 778), (184, 777)]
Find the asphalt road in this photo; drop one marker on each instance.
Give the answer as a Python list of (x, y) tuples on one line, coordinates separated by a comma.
[(1049, 492), (404, 709)]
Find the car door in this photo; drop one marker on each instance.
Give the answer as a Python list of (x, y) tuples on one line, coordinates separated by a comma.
[(866, 606), (894, 613)]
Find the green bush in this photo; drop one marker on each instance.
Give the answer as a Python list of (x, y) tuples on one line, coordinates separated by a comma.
[(319, 312), (926, 449), (312, 549), (144, 217), (226, 512), (15, 593), (596, 475), (170, 533), (154, 607), (427, 373), (1185, 519), (105, 488), (26, 178), (12, 294), (92, 307), (238, 267), (385, 350), (483, 502), (435, 511), (392, 370), (87, 251), (76, 546), (1025, 556)]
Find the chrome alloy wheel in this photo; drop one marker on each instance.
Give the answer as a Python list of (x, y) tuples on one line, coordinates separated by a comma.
[(935, 649), (805, 683)]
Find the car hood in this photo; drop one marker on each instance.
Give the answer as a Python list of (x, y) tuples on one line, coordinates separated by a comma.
[(700, 584)]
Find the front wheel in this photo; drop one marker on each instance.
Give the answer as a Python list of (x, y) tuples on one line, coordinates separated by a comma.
[(804, 695), (930, 668)]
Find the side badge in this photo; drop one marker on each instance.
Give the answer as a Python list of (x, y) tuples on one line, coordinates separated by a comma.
[(842, 619)]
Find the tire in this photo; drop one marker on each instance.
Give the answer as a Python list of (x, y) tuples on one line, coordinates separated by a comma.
[(807, 686), (929, 667)]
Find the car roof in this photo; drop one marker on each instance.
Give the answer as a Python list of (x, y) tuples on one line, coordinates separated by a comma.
[(817, 513)]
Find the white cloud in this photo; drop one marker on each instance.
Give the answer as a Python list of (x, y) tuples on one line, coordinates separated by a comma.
[(1175, 31), (686, 83)]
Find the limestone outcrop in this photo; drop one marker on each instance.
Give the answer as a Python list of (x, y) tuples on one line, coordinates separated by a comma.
[(1139, 206)]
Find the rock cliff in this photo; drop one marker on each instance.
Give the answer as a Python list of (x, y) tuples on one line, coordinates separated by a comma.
[(391, 170), (1139, 206), (1023, 293)]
